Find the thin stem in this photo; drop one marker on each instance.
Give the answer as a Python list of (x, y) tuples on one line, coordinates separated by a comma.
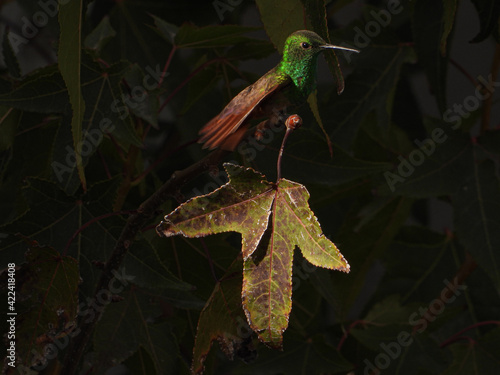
[(292, 122), (88, 223), (167, 153), (457, 336), (485, 118), (209, 258), (104, 164), (278, 167), (464, 72), (167, 64), (347, 331)]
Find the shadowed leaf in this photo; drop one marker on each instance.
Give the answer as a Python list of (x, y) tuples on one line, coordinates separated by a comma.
[(316, 11), (428, 30), (47, 302), (299, 357), (450, 9), (100, 36), (69, 59), (130, 324), (9, 57), (222, 319), (488, 11), (477, 216), (369, 87), (475, 357), (190, 36), (278, 28)]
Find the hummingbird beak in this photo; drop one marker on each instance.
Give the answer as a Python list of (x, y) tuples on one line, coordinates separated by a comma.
[(331, 46)]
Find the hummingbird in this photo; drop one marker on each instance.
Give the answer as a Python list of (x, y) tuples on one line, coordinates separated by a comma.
[(288, 84)]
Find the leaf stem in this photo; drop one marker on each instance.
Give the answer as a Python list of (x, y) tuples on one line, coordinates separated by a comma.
[(486, 115), (167, 64), (457, 336), (280, 155), (88, 223)]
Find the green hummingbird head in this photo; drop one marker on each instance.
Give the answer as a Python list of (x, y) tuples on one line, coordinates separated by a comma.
[(300, 57)]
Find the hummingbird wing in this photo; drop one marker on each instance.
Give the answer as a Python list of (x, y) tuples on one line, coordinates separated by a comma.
[(226, 128)]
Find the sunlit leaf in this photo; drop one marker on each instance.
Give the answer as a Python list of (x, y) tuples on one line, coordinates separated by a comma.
[(272, 219)]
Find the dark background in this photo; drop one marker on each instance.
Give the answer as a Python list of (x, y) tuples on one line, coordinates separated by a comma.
[(406, 246)]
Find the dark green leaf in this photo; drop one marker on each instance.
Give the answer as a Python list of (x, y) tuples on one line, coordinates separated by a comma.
[(428, 30), (100, 36), (130, 324), (434, 168), (315, 9), (489, 12), (141, 102), (42, 91), (105, 113), (9, 57), (308, 159), (300, 356), (477, 214), (166, 30), (9, 122), (189, 36), (450, 9), (47, 303), (69, 59), (369, 87), (278, 28), (476, 357), (365, 246), (222, 319)]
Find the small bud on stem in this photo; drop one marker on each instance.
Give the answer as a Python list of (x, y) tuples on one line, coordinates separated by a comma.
[(292, 122)]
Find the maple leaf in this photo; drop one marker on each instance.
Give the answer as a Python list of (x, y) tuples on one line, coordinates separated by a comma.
[(272, 219)]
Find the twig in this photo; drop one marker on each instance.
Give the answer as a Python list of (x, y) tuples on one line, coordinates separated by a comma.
[(457, 336), (90, 222), (495, 65), (467, 267)]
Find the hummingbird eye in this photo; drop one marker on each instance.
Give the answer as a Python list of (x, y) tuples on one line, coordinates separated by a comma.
[(305, 45)]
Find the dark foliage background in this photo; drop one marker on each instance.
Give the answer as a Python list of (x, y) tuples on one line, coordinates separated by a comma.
[(411, 194)]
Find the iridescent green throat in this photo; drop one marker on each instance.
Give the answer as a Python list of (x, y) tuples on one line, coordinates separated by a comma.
[(301, 70)]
